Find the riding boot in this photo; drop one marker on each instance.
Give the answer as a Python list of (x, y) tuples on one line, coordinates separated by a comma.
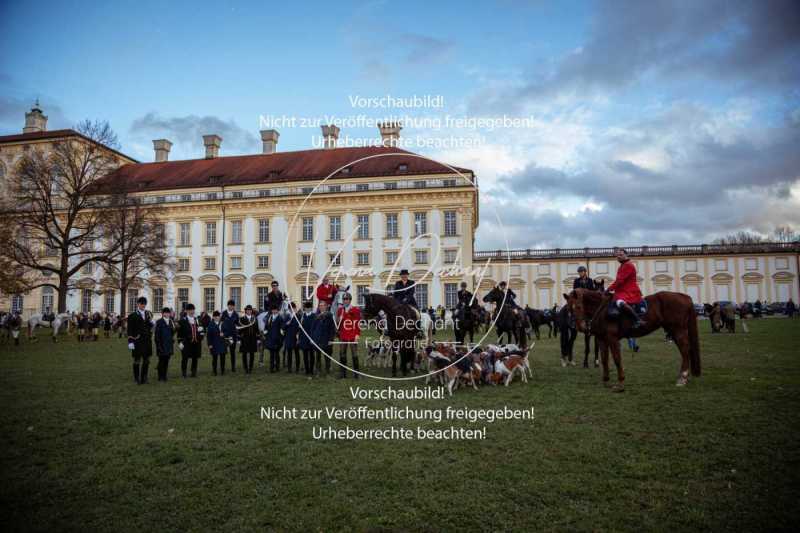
[(136, 367), (355, 367), (342, 363), (145, 369), (628, 310)]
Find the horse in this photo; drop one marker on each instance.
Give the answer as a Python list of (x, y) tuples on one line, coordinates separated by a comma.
[(721, 316), (402, 335), (507, 317), (466, 322), (37, 319), (13, 323), (669, 310), (599, 285)]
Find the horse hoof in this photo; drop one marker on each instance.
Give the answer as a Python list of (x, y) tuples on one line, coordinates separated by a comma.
[(681, 382), (585, 365), (619, 387)]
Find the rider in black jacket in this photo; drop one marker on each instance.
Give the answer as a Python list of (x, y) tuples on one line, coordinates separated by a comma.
[(583, 281)]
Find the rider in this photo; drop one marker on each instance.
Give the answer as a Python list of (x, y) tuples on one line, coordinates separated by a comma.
[(626, 288), (465, 300), (326, 292), (583, 281), (48, 315), (404, 290), (274, 297), (511, 296)]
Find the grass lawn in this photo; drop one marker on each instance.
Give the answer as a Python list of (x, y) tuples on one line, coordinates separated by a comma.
[(84, 448)]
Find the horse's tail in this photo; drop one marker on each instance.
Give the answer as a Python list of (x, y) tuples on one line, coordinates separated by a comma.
[(694, 343)]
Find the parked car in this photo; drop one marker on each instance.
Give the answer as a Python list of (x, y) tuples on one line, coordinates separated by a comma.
[(776, 308), (700, 309)]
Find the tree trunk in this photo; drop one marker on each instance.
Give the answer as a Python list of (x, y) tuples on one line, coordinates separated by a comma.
[(62, 295), (123, 300)]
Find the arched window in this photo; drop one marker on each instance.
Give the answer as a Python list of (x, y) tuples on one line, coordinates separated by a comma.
[(47, 299), (17, 302)]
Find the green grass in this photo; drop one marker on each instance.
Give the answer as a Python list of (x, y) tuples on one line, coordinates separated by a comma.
[(86, 449)]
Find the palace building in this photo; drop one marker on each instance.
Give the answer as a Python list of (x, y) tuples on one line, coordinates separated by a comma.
[(235, 223)]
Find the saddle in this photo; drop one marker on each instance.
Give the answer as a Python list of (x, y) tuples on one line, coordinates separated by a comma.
[(639, 308)]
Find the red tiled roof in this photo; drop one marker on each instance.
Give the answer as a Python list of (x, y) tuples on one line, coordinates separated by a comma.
[(277, 168), (53, 134)]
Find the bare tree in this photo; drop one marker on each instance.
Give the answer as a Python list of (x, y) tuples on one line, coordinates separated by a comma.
[(138, 242), (57, 216), (786, 234), (741, 237)]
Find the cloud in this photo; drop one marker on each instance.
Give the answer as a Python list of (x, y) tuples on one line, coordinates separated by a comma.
[(187, 132)]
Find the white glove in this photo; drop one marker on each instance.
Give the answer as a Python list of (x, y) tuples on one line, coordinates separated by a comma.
[(200, 329), (180, 346), (230, 341), (131, 346)]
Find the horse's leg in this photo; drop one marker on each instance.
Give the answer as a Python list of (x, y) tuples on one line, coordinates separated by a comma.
[(615, 351), (394, 362), (681, 339), (604, 359), (587, 344)]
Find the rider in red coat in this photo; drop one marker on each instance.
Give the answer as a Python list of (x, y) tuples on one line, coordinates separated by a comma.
[(348, 317), (326, 292), (626, 288)]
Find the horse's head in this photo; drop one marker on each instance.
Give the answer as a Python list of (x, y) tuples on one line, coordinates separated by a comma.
[(600, 284), (580, 305), (371, 307)]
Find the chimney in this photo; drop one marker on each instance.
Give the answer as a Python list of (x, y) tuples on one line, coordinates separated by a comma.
[(390, 133), (330, 134), (212, 143), (269, 140), (162, 147), (35, 121)]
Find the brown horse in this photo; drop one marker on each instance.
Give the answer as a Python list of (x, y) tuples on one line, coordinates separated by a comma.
[(400, 320), (669, 310)]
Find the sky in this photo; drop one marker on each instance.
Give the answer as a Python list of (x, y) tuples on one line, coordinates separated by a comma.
[(639, 122)]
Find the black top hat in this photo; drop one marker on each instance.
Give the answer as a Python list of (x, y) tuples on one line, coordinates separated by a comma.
[(165, 310), (231, 302), (273, 306), (142, 300), (404, 272), (189, 307), (581, 268), (307, 304), (248, 308), (274, 283)]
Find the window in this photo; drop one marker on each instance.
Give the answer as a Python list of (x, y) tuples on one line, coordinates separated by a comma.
[(86, 301), (450, 256), (391, 257), (543, 270), (237, 194), (211, 196), (161, 199), (421, 295), (307, 190), (721, 264), (305, 260), (449, 183), (419, 184), (361, 291), (335, 228), (185, 234), (335, 259), (236, 232), (263, 262), (572, 268), (782, 263), (689, 265), (17, 302), (361, 187), (402, 167), (335, 188), (183, 298), (392, 226), (390, 186), (160, 232), (751, 263), (186, 197), (308, 228), (133, 295), (211, 233), (420, 257), (183, 264), (158, 299), (362, 258), (87, 269), (263, 230), (450, 225), (602, 268), (110, 301), (363, 226), (261, 296), (235, 294), (450, 295), (307, 293), (236, 263), (661, 266), (420, 224), (210, 263), (263, 193), (209, 299), (47, 299)]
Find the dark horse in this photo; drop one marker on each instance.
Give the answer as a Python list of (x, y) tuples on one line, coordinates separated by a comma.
[(509, 320), (399, 327), (537, 319), (669, 310), (466, 321)]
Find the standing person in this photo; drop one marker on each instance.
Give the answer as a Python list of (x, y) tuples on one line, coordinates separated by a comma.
[(349, 318), (273, 332), (326, 292), (304, 340), (290, 346), (107, 326), (230, 318), (140, 341), (165, 329), (632, 344), (216, 344), (190, 340), (626, 288), (248, 333), (322, 334), (583, 281), (791, 308), (83, 327)]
